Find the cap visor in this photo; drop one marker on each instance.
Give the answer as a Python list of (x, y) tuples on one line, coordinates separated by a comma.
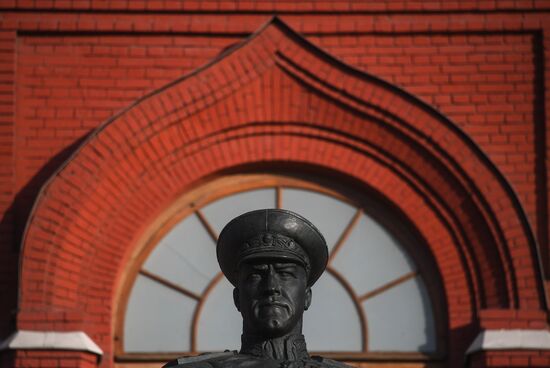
[(272, 255)]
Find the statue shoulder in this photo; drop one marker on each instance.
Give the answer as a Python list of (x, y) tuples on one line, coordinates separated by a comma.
[(329, 363), (200, 361)]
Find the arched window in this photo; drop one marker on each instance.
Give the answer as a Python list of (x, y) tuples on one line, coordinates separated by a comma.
[(373, 301)]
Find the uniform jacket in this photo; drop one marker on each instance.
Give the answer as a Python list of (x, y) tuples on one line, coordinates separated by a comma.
[(287, 352)]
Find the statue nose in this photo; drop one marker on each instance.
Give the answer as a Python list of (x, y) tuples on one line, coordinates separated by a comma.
[(272, 284)]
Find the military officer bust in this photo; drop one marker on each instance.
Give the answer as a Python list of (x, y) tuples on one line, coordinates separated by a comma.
[(272, 257)]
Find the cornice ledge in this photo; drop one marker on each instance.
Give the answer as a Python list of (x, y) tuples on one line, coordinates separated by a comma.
[(516, 339), (50, 340)]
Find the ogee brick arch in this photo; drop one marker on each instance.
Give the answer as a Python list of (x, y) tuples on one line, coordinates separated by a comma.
[(274, 99)]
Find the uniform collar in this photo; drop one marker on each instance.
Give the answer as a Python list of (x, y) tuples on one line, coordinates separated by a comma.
[(286, 348)]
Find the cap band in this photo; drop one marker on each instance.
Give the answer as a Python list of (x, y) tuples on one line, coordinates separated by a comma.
[(270, 244)]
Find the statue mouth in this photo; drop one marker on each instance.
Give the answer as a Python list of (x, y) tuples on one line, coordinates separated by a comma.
[(273, 303)]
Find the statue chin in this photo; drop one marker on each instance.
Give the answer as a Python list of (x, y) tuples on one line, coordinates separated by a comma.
[(274, 327), (273, 322)]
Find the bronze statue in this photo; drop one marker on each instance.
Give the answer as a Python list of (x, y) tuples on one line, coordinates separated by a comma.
[(272, 257)]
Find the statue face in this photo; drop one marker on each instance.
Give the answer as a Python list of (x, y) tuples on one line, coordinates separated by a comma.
[(272, 296)]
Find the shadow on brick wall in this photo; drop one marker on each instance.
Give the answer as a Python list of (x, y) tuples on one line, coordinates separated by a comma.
[(12, 226)]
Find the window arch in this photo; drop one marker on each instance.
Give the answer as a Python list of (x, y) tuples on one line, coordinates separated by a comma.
[(373, 299)]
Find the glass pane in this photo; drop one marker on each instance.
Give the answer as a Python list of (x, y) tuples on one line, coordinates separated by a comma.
[(332, 322), (222, 211), (401, 319), (371, 257), (220, 323), (158, 319), (329, 215), (185, 256)]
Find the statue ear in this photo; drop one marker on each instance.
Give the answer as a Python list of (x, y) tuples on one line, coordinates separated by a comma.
[(236, 298), (307, 302)]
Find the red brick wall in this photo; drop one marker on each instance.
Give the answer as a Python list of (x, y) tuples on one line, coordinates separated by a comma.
[(51, 359), (483, 64), (482, 82), (510, 359), (8, 245)]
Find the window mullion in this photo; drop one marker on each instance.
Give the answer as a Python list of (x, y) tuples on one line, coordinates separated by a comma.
[(345, 234)]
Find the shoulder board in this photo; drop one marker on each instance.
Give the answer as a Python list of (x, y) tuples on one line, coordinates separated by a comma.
[(185, 361)]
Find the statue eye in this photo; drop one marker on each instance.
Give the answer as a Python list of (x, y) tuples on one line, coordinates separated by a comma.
[(286, 274), (254, 276)]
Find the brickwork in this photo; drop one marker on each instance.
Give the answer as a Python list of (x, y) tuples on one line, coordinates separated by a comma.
[(482, 82), (471, 174), (63, 95), (8, 244), (50, 359), (62, 92), (282, 6), (510, 359)]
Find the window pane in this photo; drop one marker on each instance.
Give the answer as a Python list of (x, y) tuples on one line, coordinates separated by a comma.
[(329, 215), (401, 319), (332, 322), (371, 257), (185, 256), (158, 319), (222, 211), (220, 323)]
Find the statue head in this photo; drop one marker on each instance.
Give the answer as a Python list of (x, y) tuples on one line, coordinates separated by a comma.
[(272, 257)]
